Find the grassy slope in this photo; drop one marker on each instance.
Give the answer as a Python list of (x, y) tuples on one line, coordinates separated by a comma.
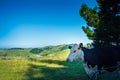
[(16, 53), (42, 68)]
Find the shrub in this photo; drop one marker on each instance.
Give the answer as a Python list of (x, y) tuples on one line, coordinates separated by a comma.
[(36, 51)]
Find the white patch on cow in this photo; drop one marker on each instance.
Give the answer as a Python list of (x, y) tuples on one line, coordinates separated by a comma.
[(75, 54), (81, 56), (90, 71)]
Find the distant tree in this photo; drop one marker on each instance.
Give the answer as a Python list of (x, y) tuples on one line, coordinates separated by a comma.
[(47, 48), (103, 23), (88, 45), (36, 51)]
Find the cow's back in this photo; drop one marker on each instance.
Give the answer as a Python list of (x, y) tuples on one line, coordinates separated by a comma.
[(102, 56), (109, 53)]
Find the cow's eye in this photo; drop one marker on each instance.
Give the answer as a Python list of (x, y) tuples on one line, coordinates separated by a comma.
[(79, 48), (74, 51)]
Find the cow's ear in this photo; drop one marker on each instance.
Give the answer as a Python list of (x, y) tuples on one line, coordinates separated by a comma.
[(69, 47), (81, 45)]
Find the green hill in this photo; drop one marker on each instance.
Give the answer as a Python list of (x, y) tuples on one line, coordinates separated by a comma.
[(29, 52), (36, 67)]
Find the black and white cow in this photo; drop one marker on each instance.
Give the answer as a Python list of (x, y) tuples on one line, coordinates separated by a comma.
[(96, 59)]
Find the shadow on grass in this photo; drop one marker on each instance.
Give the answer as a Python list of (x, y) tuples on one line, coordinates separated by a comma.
[(69, 71)]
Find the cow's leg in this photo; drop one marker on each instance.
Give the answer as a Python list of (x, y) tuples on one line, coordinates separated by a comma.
[(91, 72)]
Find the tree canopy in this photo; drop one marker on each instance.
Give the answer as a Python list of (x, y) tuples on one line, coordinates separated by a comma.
[(103, 22)]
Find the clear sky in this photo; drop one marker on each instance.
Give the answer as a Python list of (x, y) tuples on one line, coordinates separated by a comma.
[(37, 23)]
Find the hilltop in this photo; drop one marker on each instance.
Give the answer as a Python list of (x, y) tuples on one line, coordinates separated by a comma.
[(29, 52)]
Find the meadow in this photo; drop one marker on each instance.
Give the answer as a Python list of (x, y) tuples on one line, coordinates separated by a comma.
[(23, 65)]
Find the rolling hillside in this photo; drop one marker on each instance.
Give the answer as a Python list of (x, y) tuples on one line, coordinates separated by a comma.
[(30, 66), (28, 52)]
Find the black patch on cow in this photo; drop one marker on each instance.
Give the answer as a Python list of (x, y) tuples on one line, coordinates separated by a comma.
[(102, 57)]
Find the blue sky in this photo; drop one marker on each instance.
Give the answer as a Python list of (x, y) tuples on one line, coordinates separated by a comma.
[(38, 23)]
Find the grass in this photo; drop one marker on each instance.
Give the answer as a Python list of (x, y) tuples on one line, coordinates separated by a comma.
[(42, 68), (15, 53), (13, 69)]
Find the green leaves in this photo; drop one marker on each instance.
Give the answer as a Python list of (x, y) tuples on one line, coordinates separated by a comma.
[(109, 25), (90, 15), (36, 51), (103, 25), (89, 32), (92, 19)]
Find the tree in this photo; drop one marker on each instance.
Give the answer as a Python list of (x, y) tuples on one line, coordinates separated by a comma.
[(92, 19), (109, 30), (36, 51), (103, 25)]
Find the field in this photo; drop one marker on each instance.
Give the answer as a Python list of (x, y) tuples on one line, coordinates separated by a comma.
[(28, 66)]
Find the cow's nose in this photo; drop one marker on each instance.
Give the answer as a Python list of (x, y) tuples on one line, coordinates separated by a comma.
[(68, 60)]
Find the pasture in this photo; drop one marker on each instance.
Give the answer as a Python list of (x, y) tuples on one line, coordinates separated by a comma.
[(34, 67)]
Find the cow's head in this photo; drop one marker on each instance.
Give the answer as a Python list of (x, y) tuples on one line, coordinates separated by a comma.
[(76, 53)]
